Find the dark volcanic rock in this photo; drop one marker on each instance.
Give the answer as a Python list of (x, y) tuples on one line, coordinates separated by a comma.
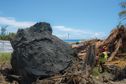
[(117, 72), (38, 53)]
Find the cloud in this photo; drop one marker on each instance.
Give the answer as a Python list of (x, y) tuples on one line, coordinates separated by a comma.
[(67, 29), (12, 22), (60, 31), (73, 33)]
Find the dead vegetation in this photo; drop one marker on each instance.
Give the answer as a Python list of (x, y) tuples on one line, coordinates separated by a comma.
[(116, 42)]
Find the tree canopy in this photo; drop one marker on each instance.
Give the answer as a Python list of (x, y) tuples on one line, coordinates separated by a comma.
[(4, 35)]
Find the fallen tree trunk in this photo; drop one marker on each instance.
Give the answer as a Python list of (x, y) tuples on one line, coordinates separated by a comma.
[(90, 60), (116, 50)]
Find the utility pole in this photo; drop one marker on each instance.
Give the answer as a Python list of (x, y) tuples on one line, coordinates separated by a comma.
[(68, 35)]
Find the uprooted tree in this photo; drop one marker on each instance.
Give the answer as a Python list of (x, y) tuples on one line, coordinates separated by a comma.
[(116, 41)]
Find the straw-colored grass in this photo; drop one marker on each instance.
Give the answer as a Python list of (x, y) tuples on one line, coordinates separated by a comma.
[(5, 57)]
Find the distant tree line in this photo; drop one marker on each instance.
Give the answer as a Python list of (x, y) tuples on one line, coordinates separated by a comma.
[(4, 35), (7, 36)]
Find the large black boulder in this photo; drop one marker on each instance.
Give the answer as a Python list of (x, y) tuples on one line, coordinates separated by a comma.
[(38, 53)]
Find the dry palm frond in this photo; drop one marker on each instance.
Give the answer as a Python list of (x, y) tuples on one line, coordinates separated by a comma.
[(123, 4), (122, 13)]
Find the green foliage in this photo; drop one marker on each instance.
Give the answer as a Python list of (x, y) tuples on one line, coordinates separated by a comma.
[(3, 30), (122, 13), (4, 35), (5, 57), (7, 37), (95, 71), (123, 4)]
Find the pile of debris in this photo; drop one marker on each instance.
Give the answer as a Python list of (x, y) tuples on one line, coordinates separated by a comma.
[(82, 47), (116, 43), (78, 73)]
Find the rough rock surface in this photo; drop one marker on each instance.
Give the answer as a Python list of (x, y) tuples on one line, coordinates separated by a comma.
[(117, 72), (38, 53)]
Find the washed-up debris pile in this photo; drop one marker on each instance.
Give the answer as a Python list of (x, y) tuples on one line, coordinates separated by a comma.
[(116, 43), (82, 47)]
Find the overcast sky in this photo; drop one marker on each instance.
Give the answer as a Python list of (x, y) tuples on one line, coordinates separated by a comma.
[(81, 19)]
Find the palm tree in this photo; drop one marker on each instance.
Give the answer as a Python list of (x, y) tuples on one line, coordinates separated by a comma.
[(122, 13), (3, 30)]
